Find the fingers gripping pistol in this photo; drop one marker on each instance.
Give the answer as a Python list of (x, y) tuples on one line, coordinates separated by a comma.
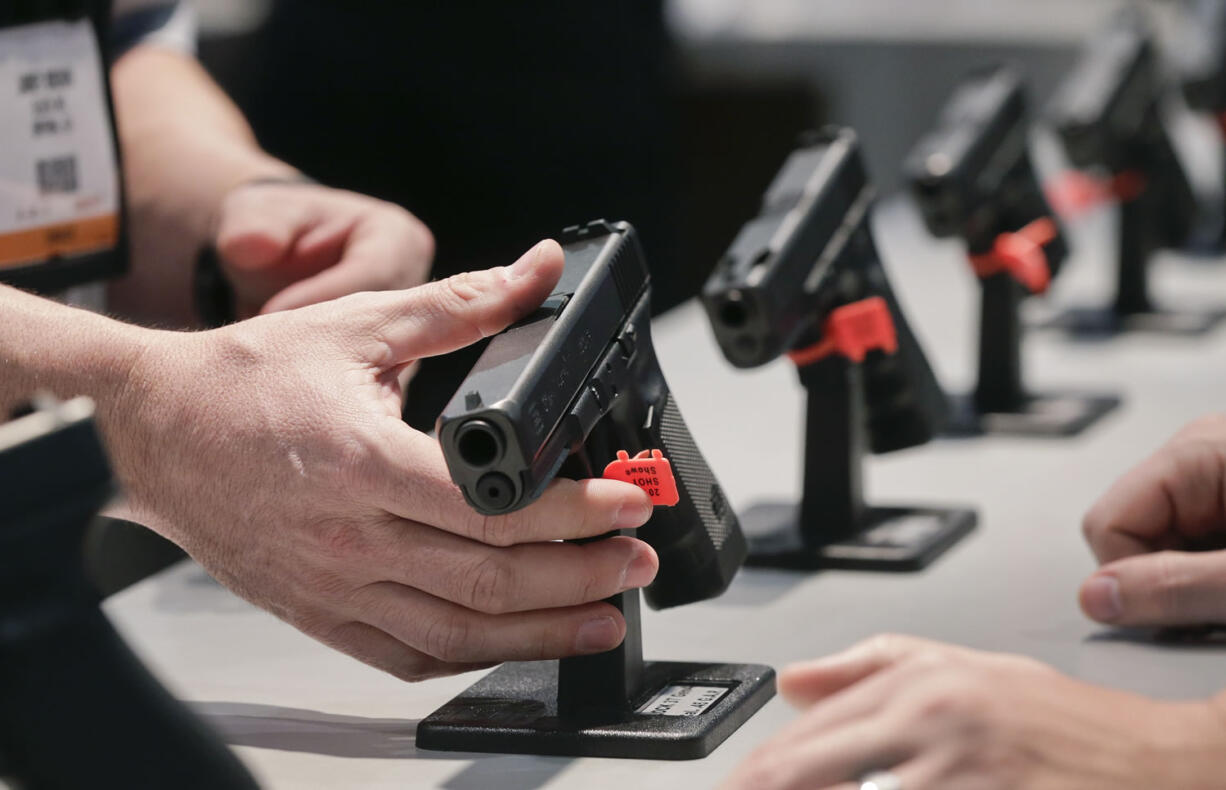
[(804, 278), (563, 391)]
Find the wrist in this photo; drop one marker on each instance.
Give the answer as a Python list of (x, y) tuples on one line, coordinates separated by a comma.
[(212, 292), (63, 350), (242, 166)]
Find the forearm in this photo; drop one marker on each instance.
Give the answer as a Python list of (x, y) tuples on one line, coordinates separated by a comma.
[(185, 145), (46, 346)]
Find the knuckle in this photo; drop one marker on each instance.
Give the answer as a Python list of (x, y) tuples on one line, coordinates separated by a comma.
[(1093, 525), (1026, 664), (891, 644), (405, 664), (930, 661), (315, 623), (461, 290), (1171, 584), (572, 504), (359, 457), (958, 698), (423, 238), (340, 541), (491, 585), (412, 232), (327, 585), (543, 645), (492, 530), (883, 642), (454, 298), (450, 637), (593, 587)]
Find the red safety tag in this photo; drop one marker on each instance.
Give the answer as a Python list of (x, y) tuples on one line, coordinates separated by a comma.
[(650, 471), (1074, 192), (1021, 255), (852, 331)]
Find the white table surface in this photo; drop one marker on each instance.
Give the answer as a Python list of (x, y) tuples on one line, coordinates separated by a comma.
[(1044, 22), (303, 716)]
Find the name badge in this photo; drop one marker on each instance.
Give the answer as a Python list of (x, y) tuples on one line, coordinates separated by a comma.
[(59, 174)]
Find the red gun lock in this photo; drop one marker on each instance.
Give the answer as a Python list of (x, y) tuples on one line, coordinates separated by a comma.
[(1073, 192), (650, 471), (1021, 255), (852, 331)]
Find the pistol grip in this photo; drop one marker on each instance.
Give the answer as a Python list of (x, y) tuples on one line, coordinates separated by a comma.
[(705, 547), (906, 406)]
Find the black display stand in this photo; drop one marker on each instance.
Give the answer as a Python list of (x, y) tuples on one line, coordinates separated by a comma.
[(613, 704), (1000, 404), (835, 527), (1133, 310)]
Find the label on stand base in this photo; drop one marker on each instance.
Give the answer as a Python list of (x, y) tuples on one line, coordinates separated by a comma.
[(683, 700)]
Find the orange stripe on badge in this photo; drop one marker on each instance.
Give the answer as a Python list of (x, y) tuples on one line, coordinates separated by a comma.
[(67, 238)]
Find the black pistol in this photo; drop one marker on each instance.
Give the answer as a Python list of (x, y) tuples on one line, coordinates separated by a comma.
[(567, 388), (1108, 114), (804, 279), (973, 176), (808, 253), (1201, 56)]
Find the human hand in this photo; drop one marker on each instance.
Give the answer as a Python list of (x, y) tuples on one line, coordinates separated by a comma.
[(946, 718), (1158, 534), (274, 452), (287, 245)]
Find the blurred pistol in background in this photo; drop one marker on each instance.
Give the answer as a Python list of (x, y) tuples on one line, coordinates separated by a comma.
[(973, 176), (1201, 56), (1108, 114), (567, 388), (804, 278)]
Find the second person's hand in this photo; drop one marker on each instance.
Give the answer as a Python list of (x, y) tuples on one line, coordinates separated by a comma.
[(1158, 534), (284, 245)]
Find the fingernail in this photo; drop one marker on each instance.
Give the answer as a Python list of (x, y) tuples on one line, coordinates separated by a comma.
[(526, 262), (631, 516), (1101, 596), (596, 636), (640, 571)]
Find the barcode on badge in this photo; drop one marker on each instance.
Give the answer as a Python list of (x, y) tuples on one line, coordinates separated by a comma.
[(57, 175)]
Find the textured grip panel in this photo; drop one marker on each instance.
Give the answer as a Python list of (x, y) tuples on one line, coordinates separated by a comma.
[(695, 476)]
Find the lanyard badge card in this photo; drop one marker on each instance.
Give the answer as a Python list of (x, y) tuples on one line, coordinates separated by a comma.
[(61, 205)]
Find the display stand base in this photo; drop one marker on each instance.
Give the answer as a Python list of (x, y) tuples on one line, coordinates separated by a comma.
[(1092, 323), (892, 538), (1049, 415), (687, 711)]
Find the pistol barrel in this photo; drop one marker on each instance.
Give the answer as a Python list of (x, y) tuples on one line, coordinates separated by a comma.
[(760, 298), (532, 396)]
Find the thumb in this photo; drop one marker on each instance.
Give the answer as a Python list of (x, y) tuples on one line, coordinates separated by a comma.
[(1168, 588), (442, 316)]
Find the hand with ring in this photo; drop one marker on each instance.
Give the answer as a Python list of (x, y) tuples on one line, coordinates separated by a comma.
[(898, 713), (881, 780)]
